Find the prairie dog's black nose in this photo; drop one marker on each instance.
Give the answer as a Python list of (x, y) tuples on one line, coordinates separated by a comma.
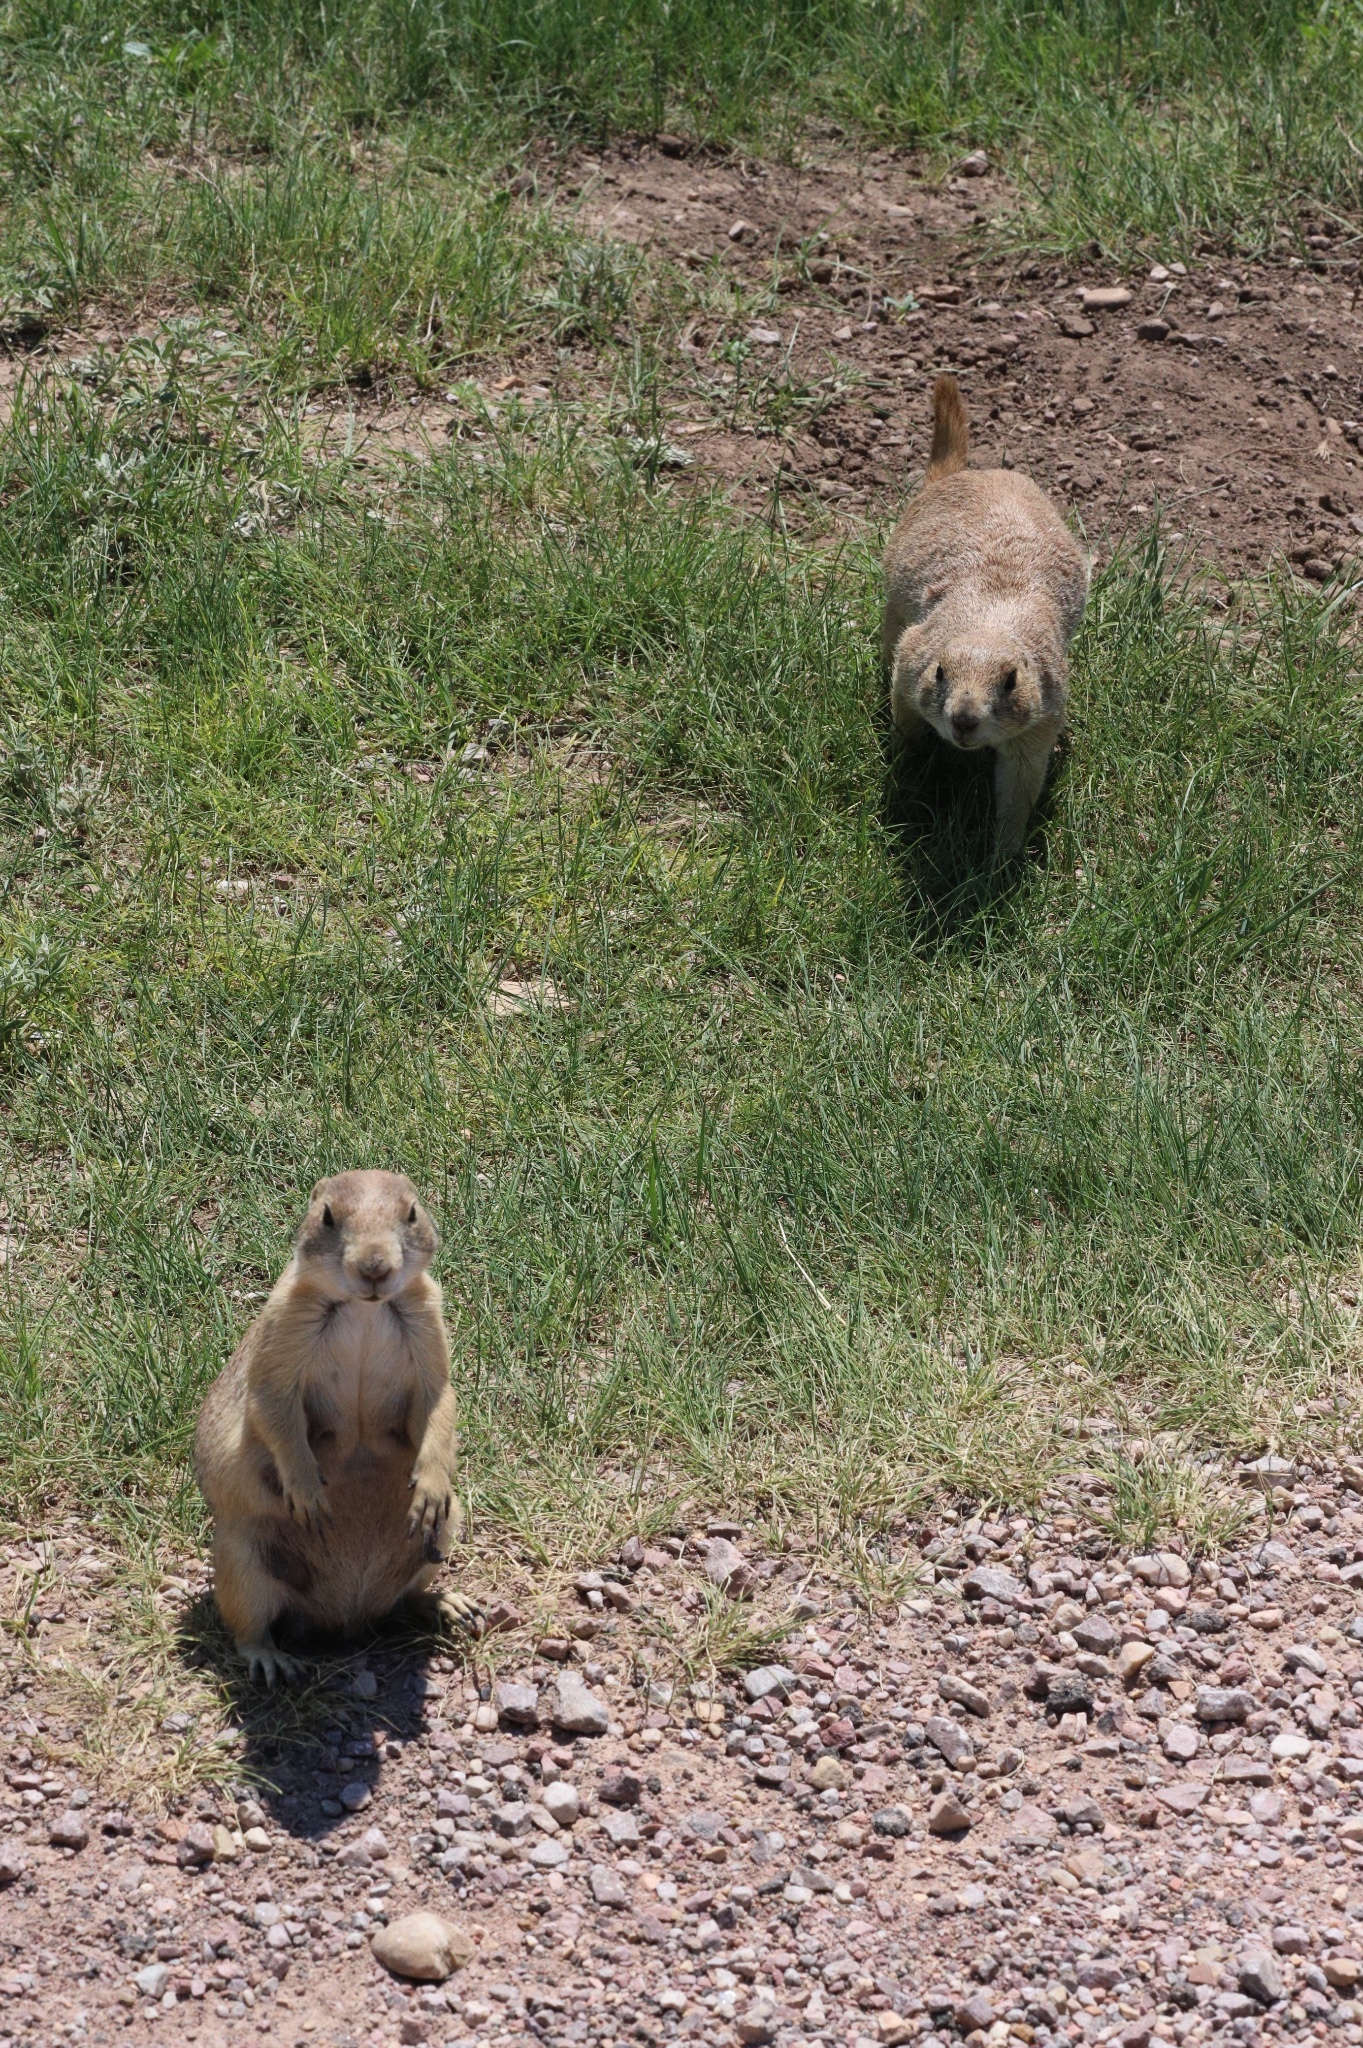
[(963, 723), (376, 1266)]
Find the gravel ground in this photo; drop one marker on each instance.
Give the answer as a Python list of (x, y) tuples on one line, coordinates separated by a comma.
[(1058, 1794)]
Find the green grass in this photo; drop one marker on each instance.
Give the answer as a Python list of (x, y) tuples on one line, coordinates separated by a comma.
[(844, 1169), (333, 177)]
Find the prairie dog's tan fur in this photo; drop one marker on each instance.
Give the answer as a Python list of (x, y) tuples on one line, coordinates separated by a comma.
[(984, 590), (326, 1447)]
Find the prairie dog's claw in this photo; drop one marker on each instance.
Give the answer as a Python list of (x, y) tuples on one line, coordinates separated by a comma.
[(458, 1611), (430, 1505), (313, 1510), (264, 1664)]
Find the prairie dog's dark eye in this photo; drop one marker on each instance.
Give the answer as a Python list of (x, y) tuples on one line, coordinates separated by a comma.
[(1010, 682), (941, 675), (328, 1218), (411, 1214)]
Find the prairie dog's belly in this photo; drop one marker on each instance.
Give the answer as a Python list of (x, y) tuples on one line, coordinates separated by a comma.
[(365, 1413)]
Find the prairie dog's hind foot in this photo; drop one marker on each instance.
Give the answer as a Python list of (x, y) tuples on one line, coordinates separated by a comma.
[(447, 1609), (266, 1664)]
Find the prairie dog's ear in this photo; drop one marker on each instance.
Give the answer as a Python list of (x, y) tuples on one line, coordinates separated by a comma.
[(317, 1190)]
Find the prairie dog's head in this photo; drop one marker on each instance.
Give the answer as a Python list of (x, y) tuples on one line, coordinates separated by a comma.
[(365, 1236), (978, 688)]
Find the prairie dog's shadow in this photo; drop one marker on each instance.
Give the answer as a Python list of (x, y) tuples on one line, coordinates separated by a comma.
[(303, 1748), (938, 805)]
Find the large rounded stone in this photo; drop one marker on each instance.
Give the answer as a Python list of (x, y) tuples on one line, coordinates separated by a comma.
[(422, 1946)]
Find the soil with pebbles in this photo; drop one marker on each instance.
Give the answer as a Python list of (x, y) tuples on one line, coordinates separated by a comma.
[(1240, 424), (1156, 1759)]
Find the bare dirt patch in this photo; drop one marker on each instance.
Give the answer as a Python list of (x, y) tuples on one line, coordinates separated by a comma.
[(1154, 1760), (1240, 422)]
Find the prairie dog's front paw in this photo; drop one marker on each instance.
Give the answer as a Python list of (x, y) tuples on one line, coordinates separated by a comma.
[(306, 1502), (432, 1498)]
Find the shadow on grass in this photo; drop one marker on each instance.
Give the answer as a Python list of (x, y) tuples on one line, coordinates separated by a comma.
[(315, 1752), (938, 807)]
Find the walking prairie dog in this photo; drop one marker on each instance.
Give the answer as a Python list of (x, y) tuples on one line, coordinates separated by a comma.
[(984, 590), (326, 1447)]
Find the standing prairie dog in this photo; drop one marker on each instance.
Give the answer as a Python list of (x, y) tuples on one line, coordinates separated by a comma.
[(984, 590), (326, 1447)]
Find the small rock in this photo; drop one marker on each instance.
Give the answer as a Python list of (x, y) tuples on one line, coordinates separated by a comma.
[(827, 1774), (622, 1829), (71, 1831), (765, 337), (1224, 1703), (152, 1981), (257, 1841), (1097, 1634), (1079, 1813), (726, 1566), (1259, 1977), (621, 1788), (1069, 1694), (1268, 1471), (563, 1801), (948, 1738), (1179, 1741), (364, 1685), (550, 1855), (354, 1798), (977, 2011), (1341, 1972), (1289, 1747), (606, 1887), (632, 1554), (739, 230), (1246, 1770), (1267, 1807), (1105, 298), (892, 1821), (577, 1711), (195, 1846), (1301, 1657), (1032, 1825), (12, 1866), (769, 1679), (947, 1816), (1162, 1568), (976, 165), (502, 1616), (756, 2025), (1182, 1799), (1075, 327), (517, 1704), (1132, 1659), (374, 1843), (964, 1694), (1291, 1940), (989, 1582), (422, 1946), (1153, 330)]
